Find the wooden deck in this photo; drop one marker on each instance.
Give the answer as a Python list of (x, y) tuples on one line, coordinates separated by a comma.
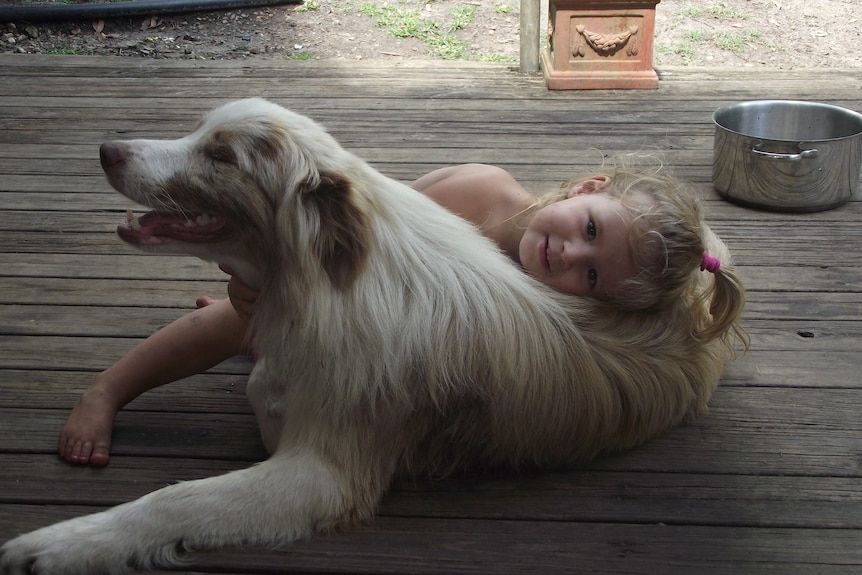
[(770, 481)]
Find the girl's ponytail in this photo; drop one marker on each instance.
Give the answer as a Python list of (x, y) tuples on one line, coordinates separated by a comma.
[(719, 295), (725, 300)]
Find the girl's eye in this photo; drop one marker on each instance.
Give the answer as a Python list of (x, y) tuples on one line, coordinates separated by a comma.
[(591, 230), (592, 276)]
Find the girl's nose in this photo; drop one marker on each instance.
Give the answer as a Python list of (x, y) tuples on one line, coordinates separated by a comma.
[(573, 254)]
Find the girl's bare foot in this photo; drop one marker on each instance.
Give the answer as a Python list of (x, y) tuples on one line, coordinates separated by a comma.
[(189, 345), (86, 437)]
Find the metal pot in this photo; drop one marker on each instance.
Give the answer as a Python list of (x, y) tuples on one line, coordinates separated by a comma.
[(786, 155)]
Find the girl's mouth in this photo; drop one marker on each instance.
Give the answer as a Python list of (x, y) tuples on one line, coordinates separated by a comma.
[(544, 254)]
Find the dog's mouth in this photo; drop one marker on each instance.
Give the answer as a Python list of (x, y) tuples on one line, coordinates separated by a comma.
[(159, 228)]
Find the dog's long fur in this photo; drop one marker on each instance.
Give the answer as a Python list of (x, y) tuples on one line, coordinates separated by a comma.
[(393, 339)]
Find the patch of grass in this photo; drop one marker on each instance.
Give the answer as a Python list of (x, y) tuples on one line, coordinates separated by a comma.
[(719, 11), (345, 7), (309, 5), (63, 52), (692, 12), (462, 16), (503, 8), (483, 57), (448, 47), (725, 11), (735, 41), (401, 22), (384, 16), (695, 36), (682, 49), (407, 24), (300, 56), (685, 48)]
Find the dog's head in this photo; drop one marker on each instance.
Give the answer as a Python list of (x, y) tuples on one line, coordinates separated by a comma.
[(253, 183)]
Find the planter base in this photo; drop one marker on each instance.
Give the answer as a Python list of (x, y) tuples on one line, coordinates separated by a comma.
[(600, 45)]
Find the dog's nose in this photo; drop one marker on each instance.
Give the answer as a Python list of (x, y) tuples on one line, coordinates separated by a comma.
[(112, 154)]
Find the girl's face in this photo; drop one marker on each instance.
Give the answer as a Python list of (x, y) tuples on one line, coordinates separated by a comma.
[(580, 245)]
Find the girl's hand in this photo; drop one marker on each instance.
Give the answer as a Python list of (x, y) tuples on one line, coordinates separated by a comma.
[(241, 296)]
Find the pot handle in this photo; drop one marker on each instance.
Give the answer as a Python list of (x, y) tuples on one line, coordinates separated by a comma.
[(785, 157)]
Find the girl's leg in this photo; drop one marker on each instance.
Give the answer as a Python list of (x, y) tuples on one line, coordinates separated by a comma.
[(189, 345)]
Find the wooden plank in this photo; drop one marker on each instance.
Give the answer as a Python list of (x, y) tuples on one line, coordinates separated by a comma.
[(159, 108), (804, 227), (77, 320), (86, 67), (803, 305), (77, 353), (799, 254), (460, 84), (145, 293), (230, 436), (392, 145), (581, 495), (468, 546), (506, 156), (48, 479), (123, 262), (181, 293), (220, 390), (782, 368), (133, 266), (603, 128), (467, 97), (426, 546), (814, 322), (822, 360), (793, 369), (164, 113), (736, 436)]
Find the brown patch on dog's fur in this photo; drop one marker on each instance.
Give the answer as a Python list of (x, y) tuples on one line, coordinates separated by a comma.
[(220, 147), (271, 146), (343, 242)]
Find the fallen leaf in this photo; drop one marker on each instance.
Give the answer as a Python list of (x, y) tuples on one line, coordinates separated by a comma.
[(150, 22), (98, 26)]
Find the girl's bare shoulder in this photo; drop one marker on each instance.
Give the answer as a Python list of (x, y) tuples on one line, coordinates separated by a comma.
[(480, 193)]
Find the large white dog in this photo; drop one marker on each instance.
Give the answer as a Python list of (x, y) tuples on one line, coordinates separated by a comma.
[(393, 339)]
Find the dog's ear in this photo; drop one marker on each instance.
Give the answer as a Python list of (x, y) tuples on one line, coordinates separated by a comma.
[(343, 240)]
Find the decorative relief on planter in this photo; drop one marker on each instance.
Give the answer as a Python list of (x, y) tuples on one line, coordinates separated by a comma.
[(605, 44), (600, 44)]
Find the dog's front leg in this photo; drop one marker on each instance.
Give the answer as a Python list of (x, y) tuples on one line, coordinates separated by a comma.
[(289, 496)]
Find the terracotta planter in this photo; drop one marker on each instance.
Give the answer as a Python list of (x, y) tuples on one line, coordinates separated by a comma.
[(600, 45)]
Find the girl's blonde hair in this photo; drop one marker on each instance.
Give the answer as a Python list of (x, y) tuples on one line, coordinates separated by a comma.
[(668, 241)]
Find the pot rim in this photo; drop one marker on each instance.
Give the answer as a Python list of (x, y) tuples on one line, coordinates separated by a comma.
[(851, 115)]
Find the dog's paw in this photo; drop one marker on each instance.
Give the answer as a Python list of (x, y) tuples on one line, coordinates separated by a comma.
[(70, 547), (18, 557)]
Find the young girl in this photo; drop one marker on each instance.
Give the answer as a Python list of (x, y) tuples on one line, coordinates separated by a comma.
[(634, 240)]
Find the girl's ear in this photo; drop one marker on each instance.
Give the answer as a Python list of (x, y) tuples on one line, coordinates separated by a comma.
[(589, 186)]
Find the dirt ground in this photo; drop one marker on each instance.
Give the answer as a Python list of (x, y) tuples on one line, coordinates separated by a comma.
[(751, 33)]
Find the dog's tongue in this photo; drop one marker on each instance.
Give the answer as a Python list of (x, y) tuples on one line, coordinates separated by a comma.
[(154, 228)]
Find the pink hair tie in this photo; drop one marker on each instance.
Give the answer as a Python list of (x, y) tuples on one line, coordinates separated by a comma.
[(709, 263)]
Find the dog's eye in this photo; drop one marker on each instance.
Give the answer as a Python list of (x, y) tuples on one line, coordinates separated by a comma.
[(222, 154)]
